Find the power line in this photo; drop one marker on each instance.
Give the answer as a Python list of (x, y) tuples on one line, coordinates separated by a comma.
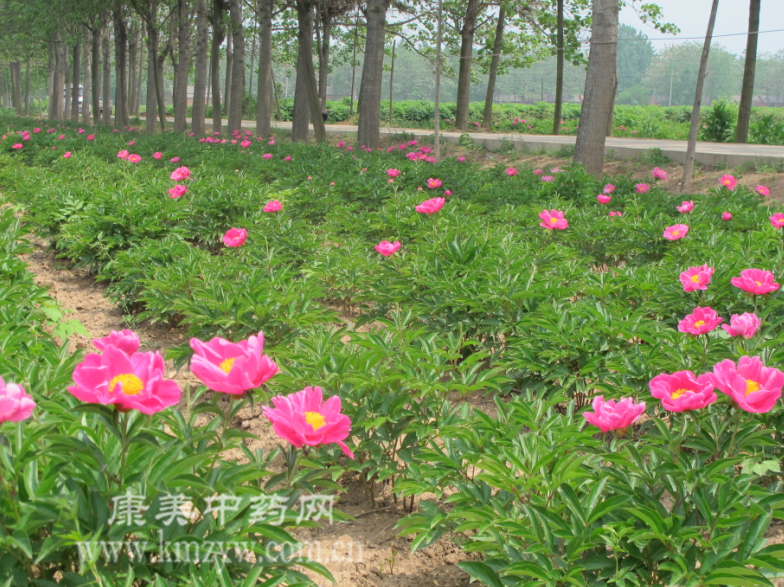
[(683, 38)]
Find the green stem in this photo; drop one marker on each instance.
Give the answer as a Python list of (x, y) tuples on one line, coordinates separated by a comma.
[(736, 422), (123, 417), (295, 465)]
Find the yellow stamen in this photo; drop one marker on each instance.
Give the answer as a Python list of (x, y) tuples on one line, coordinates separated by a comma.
[(678, 393), (758, 283), (553, 220), (675, 233), (699, 323), (751, 386), (227, 365), (129, 383), (695, 278), (314, 419)]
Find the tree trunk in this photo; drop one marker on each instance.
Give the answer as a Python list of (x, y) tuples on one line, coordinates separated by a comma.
[(354, 65), (326, 36), (120, 69), (133, 49), (597, 104), (27, 88), (227, 77), (67, 88), (87, 44), (107, 76), (150, 98), (559, 75), (200, 83), (464, 75), (52, 69), (137, 102), (749, 71), (370, 86), (237, 66), (264, 89), (181, 92), (95, 72), (487, 118), (611, 117), (159, 83), (302, 112), (218, 34), (75, 81), (691, 148), (16, 87)]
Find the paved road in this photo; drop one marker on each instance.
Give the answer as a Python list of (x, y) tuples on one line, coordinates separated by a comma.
[(728, 154)]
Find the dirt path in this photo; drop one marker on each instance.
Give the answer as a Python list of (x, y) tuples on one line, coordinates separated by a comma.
[(362, 553)]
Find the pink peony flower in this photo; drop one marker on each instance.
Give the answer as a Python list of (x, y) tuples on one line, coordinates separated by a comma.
[(125, 340), (177, 191), (685, 207), (267, 156), (17, 146), (134, 158), (130, 382), (245, 144), (548, 178), (675, 232), (745, 325), (175, 159), (728, 181), (447, 192), (602, 199), (387, 248), (683, 391), (614, 214), (460, 159), (726, 216), (641, 188), (393, 172), (777, 220), (340, 144), (157, 155), (511, 171), (608, 189), (751, 385), (700, 321), (659, 174), (273, 206), (180, 174), (92, 138), (762, 190), (537, 172), (60, 138), (433, 183), (123, 154), (15, 404), (67, 155), (287, 158), (553, 220), (302, 419), (756, 281), (235, 237), (271, 143), (230, 367), (695, 278), (609, 415), (431, 206)]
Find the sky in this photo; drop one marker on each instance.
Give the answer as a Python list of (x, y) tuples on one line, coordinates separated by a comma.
[(691, 16)]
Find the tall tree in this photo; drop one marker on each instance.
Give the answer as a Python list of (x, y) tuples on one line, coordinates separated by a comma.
[(218, 34), (464, 71), (306, 104), (86, 67), (107, 74), (749, 71), (76, 80), (200, 81), (237, 66), (264, 91), (691, 147), (372, 69), (133, 51), (559, 67), (599, 87), (95, 72), (183, 44), (487, 118), (148, 10)]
